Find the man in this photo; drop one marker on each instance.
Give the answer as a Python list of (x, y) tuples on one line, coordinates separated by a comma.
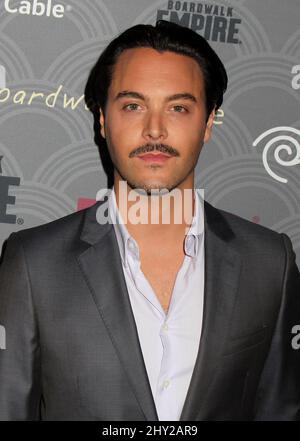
[(145, 321)]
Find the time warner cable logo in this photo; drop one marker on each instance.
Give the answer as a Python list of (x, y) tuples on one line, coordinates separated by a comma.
[(36, 8)]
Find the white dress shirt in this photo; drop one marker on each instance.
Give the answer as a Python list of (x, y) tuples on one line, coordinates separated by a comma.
[(169, 342)]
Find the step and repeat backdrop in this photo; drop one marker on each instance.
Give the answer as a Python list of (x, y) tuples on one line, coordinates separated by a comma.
[(49, 163)]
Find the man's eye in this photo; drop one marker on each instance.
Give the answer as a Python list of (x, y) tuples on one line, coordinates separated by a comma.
[(132, 106), (180, 109)]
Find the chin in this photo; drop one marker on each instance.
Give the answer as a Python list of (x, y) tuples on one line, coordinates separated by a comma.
[(151, 183), (154, 186)]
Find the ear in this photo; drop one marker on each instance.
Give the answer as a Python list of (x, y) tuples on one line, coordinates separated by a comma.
[(102, 123), (209, 126)]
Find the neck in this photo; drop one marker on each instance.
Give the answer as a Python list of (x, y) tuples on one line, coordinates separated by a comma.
[(163, 216)]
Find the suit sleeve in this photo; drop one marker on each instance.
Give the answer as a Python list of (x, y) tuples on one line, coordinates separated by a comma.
[(278, 397), (20, 389)]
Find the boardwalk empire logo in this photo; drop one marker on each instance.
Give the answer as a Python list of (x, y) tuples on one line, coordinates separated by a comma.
[(5, 198), (213, 22)]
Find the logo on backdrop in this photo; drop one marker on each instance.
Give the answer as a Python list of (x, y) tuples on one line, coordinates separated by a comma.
[(37, 8), (296, 77), (213, 22), (2, 77), (296, 339), (286, 149), (2, 338), (5, 198)]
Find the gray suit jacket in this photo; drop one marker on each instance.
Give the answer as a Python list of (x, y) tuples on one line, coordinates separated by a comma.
[(72, 348)]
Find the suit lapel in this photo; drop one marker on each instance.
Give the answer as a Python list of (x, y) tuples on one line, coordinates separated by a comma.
[(222, 270), (102, 269), (101, 266)]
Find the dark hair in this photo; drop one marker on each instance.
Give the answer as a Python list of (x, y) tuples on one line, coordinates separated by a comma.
[(164, 36)]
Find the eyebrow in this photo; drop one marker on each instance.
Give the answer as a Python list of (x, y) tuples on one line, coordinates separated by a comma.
[(137, 95)]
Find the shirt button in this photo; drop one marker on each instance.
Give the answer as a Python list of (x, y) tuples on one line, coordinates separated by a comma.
[(165, 326), (166, 384), (133, 248), (131, 245)]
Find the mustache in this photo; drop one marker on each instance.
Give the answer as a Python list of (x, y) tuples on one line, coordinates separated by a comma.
[(163, 148)]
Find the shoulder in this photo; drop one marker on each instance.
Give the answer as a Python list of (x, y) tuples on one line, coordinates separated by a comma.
[(245, 234), (64, 231)]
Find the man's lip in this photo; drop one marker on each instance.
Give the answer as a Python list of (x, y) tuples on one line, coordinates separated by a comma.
[(158, 158), (154, 154)]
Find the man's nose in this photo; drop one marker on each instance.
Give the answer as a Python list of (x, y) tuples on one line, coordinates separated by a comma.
[(155, 126)]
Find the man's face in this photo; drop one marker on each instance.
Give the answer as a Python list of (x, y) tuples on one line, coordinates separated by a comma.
[(143, 114)]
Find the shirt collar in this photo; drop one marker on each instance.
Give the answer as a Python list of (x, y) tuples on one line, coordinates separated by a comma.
[(127, 244), (195, 232)]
